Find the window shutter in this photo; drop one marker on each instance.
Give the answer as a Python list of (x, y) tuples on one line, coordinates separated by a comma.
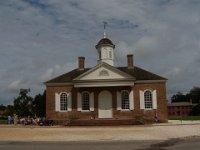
[(131, 100), (141, 100), (69, 102), (154, 99), (119, 101), (79, 101), (92, 101), (57, 102)]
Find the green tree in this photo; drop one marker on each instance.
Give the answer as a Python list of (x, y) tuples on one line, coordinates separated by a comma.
[(179, 97), (2, 107), (9, 110), (39, 105), (195, 110), (195, 94), (23, 103)]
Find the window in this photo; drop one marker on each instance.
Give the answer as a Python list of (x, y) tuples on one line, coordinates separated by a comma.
[(63, 102), (110, 54), (85, 101), (103, 73), (148, 100), (125, 99)]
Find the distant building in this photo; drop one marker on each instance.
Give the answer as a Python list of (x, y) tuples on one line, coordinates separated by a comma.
[(180, 108)]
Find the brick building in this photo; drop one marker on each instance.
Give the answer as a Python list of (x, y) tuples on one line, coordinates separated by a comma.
[(106, 92), (180, 108)]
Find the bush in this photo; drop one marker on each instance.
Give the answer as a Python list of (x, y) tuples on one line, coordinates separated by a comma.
[(3, 121)]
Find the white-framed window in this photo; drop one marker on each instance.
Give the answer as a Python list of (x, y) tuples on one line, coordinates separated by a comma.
[(85, 101), (63, 102), (148, 101), (124, 100)]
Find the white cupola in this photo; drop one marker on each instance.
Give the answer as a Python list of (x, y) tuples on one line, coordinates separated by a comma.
[(105, 49)]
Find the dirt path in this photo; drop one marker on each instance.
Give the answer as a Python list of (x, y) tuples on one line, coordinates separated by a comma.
[(158, 132)]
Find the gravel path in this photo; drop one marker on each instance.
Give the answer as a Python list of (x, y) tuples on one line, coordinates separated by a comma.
[(123, 133)]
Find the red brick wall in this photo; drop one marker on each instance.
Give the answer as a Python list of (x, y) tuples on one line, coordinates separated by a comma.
[(150, 114)]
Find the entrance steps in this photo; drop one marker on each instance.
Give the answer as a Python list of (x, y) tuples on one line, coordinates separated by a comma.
[(104, 122)]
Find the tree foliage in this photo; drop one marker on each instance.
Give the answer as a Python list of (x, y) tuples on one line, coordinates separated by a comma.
[(39, 105), (23, 103), (9, 111), (193, 95), (195, 110)]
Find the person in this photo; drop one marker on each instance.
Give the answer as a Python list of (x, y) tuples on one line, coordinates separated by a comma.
[(15, 119), (9, 119), (156, 119)]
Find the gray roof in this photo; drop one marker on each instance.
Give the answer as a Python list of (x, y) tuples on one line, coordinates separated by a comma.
[(138, 73)]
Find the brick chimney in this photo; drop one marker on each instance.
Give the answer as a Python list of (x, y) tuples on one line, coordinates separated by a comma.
[(81, 63), (130, 61)]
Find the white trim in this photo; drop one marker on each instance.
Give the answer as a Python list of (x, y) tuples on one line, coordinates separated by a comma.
[(142, 99), (103, 84), (79, 102), (119, 101), (154, 99), (92, 101), (57, 102), (69, 102), (107, 66), (58, 84), (150, 81), (131, 100)]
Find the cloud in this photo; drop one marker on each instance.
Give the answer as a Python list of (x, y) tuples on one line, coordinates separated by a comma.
[(42, 39), (14, 85)]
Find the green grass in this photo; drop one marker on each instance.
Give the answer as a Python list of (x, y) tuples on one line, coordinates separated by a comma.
[(3, 121), (189, 118)]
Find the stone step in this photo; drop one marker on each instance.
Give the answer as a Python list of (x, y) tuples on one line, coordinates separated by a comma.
[(104, 122)]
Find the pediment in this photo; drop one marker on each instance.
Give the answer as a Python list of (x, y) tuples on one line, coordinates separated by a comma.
[(104, 71)]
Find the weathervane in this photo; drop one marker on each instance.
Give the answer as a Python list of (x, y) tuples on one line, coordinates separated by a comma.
[(104, 26)]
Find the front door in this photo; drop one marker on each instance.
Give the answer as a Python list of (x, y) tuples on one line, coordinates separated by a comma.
[(105, 104)]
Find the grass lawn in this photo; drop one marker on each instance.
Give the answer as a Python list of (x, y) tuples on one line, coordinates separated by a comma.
[(189, 118), (3, 121)]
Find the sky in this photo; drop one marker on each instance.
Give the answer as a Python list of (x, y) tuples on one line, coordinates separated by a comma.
[(41, 39)]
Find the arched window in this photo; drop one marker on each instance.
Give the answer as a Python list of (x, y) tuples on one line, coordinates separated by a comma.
[(148, 100), (63, 102), (85, 101), (125, 99)]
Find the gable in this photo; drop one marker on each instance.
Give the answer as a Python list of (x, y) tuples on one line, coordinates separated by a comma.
[(104, 71)]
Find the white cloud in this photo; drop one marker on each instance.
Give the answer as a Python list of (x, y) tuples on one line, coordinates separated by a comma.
[(42, 39), (14, 86)]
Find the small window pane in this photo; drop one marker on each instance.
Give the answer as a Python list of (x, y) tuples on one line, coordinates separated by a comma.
[(63, 102), (148, 99), (85, 101), (125, 100)]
